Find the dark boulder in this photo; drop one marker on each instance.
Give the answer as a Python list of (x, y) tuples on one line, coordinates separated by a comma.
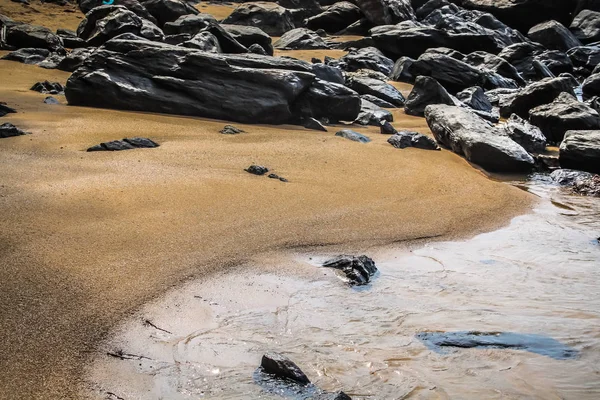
[(204, 41), (377, 101), (335, 18), (581, 150), (429, 7), (367, 58), (17, 35), (28, 56), (270, 17), (300, 39), (404, 139), (231, 130), (358, 270), (249, 35), (148, 76), (282, 367), (401, 71), (328, 100), (9, 130), (257, 170), (227, 42), (586, 57), (387, 12), (125, 144), (501, 97), (530, 137), (591, 86), (586, 26), (351, 135), (328, 73), (583, 183), (538, 93), (563, 114), (372, 114), (594, 102), (475, 98), (47, 87), (476, 139), (70, 39), (553, 35), (168, 10), (133, 5), (446, 51), (556, 61), (375, 87), (4, 109), (426, 91), (521, 56), (191, 24)]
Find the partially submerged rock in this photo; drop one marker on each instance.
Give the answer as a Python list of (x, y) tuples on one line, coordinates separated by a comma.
[(125, 144), (580, 182), (538, 93), (9, 130), (581, 150), (358, 270), (352, 135), (257, 169), (282, 367), (404, 139)]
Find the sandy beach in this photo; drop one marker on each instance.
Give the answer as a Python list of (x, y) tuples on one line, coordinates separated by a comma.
[(88, 238)]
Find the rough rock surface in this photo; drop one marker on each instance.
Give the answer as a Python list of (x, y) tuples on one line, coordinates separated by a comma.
[(335, 18), (125, 144), (377, 88), (527, 135), (75, 58), (300, 39), (475, 98), (328, 100), (231, 130), (17, 35), (367, 58), (581, 150), (250, 35), (372, 114), (168, 10), (282, 367), (387, 12), (476, 139), (358, 270), (404, 139), (563, 114), (591, 86)]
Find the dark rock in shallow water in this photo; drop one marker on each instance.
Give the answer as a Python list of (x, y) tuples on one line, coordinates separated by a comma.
[(125, 144), (270, 17), (9, 130), (538, 93), (476, 139), (354, 136), (358, 270), (563, 114), (231, 130), (257, 170), (300, 39), (48, 87), (386, 128), (404, 139), (553, 35), (583, 183), (439, 341), (545, 162), (27, 55), (4, 109), (282, 367), (426, 91), (581, 150), (529, 136)]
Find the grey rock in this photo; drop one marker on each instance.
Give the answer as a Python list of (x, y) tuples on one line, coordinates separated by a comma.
[(404, 139), (300, 39), (352, 135), (553, 35), (9, 130), (133, 5), (328, 100), (401, 71), (581, 150), (204, 41), (527, 135), (51, 100), (332, 396), (257, 170), (328, 73), (358, 270), (583, 183), (270, 17), (282, 367), (587, 57), (335, 18), (494, 63), (591, 86), (231, 130), (475, 98), (257, 49), (476, 139), (376, 88), (250, 35), (47, 87), (17, 35), (521, 56), (371, 114), (426, 91), (538, 93)]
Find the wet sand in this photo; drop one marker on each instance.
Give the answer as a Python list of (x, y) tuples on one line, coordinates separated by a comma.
[(87, 238)]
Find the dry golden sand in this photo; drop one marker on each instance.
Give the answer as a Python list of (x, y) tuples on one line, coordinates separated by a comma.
[(86, 238), (49, 15)]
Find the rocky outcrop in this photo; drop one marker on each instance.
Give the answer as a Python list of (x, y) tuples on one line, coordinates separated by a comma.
[(125, 144), (554, 36), (404, 139), (538, 93), (426, 91), (335, 18), (563, 114), (494, 63), (270, 17), (300, 39), (586, 26), (529, 136), (476, 139), (387, 12), (367, 58), (352, 135), (581, 150), (358, 270), (9, 130)]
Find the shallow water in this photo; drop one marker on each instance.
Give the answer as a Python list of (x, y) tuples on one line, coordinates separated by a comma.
[(538, 276)]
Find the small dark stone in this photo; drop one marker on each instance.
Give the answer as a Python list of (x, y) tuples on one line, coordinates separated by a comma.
[(275, 176), (355, 136), (125, 144), (282, 367), (51, 100), (257, 49), (257, 169), (404, 139), (9, 130), (231, 130), (311, 123), (358, 270), (545, 162), (48, 87), (4, 109), (387, 128)]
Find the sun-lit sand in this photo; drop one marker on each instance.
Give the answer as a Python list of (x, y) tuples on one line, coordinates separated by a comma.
[(87, 238)]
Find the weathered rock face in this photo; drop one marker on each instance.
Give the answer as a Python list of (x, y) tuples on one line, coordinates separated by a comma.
[(404, 139), (337, 17), (581, 150), (538, 93), (586, 26), (476, 139), (358, 270), (168, 10), (530, 137), (28, 56), (554, 36), (563, 114), (426, 91), (591, 86), (148, 76), (249, 35), (9, 130), (125, 144), (377, 88), (367, 58), (300, 39), (387, 12), (587, 57), (270, 17), (521, 56), (328, 73), (18, 35)]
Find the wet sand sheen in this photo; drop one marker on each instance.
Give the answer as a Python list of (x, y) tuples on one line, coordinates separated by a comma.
[(86, 238)]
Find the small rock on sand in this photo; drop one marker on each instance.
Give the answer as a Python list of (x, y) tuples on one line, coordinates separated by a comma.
[(125, 144), (231, 130), (257, 169), (355, 136)]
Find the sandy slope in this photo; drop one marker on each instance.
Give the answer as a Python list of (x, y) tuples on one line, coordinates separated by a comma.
[(85, 238)]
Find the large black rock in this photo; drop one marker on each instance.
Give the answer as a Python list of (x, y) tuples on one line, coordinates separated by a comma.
[(476, 139), (133, 5), (527, 135), (372, 114), (148, 76), (586, 26), (270, 17), (426, 91), (18, 35), (521, 56), (581, 150), (591, 86), (335, 18), (328, 100), (538, 93), (554, 36), (494, 63), (565, 113)]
